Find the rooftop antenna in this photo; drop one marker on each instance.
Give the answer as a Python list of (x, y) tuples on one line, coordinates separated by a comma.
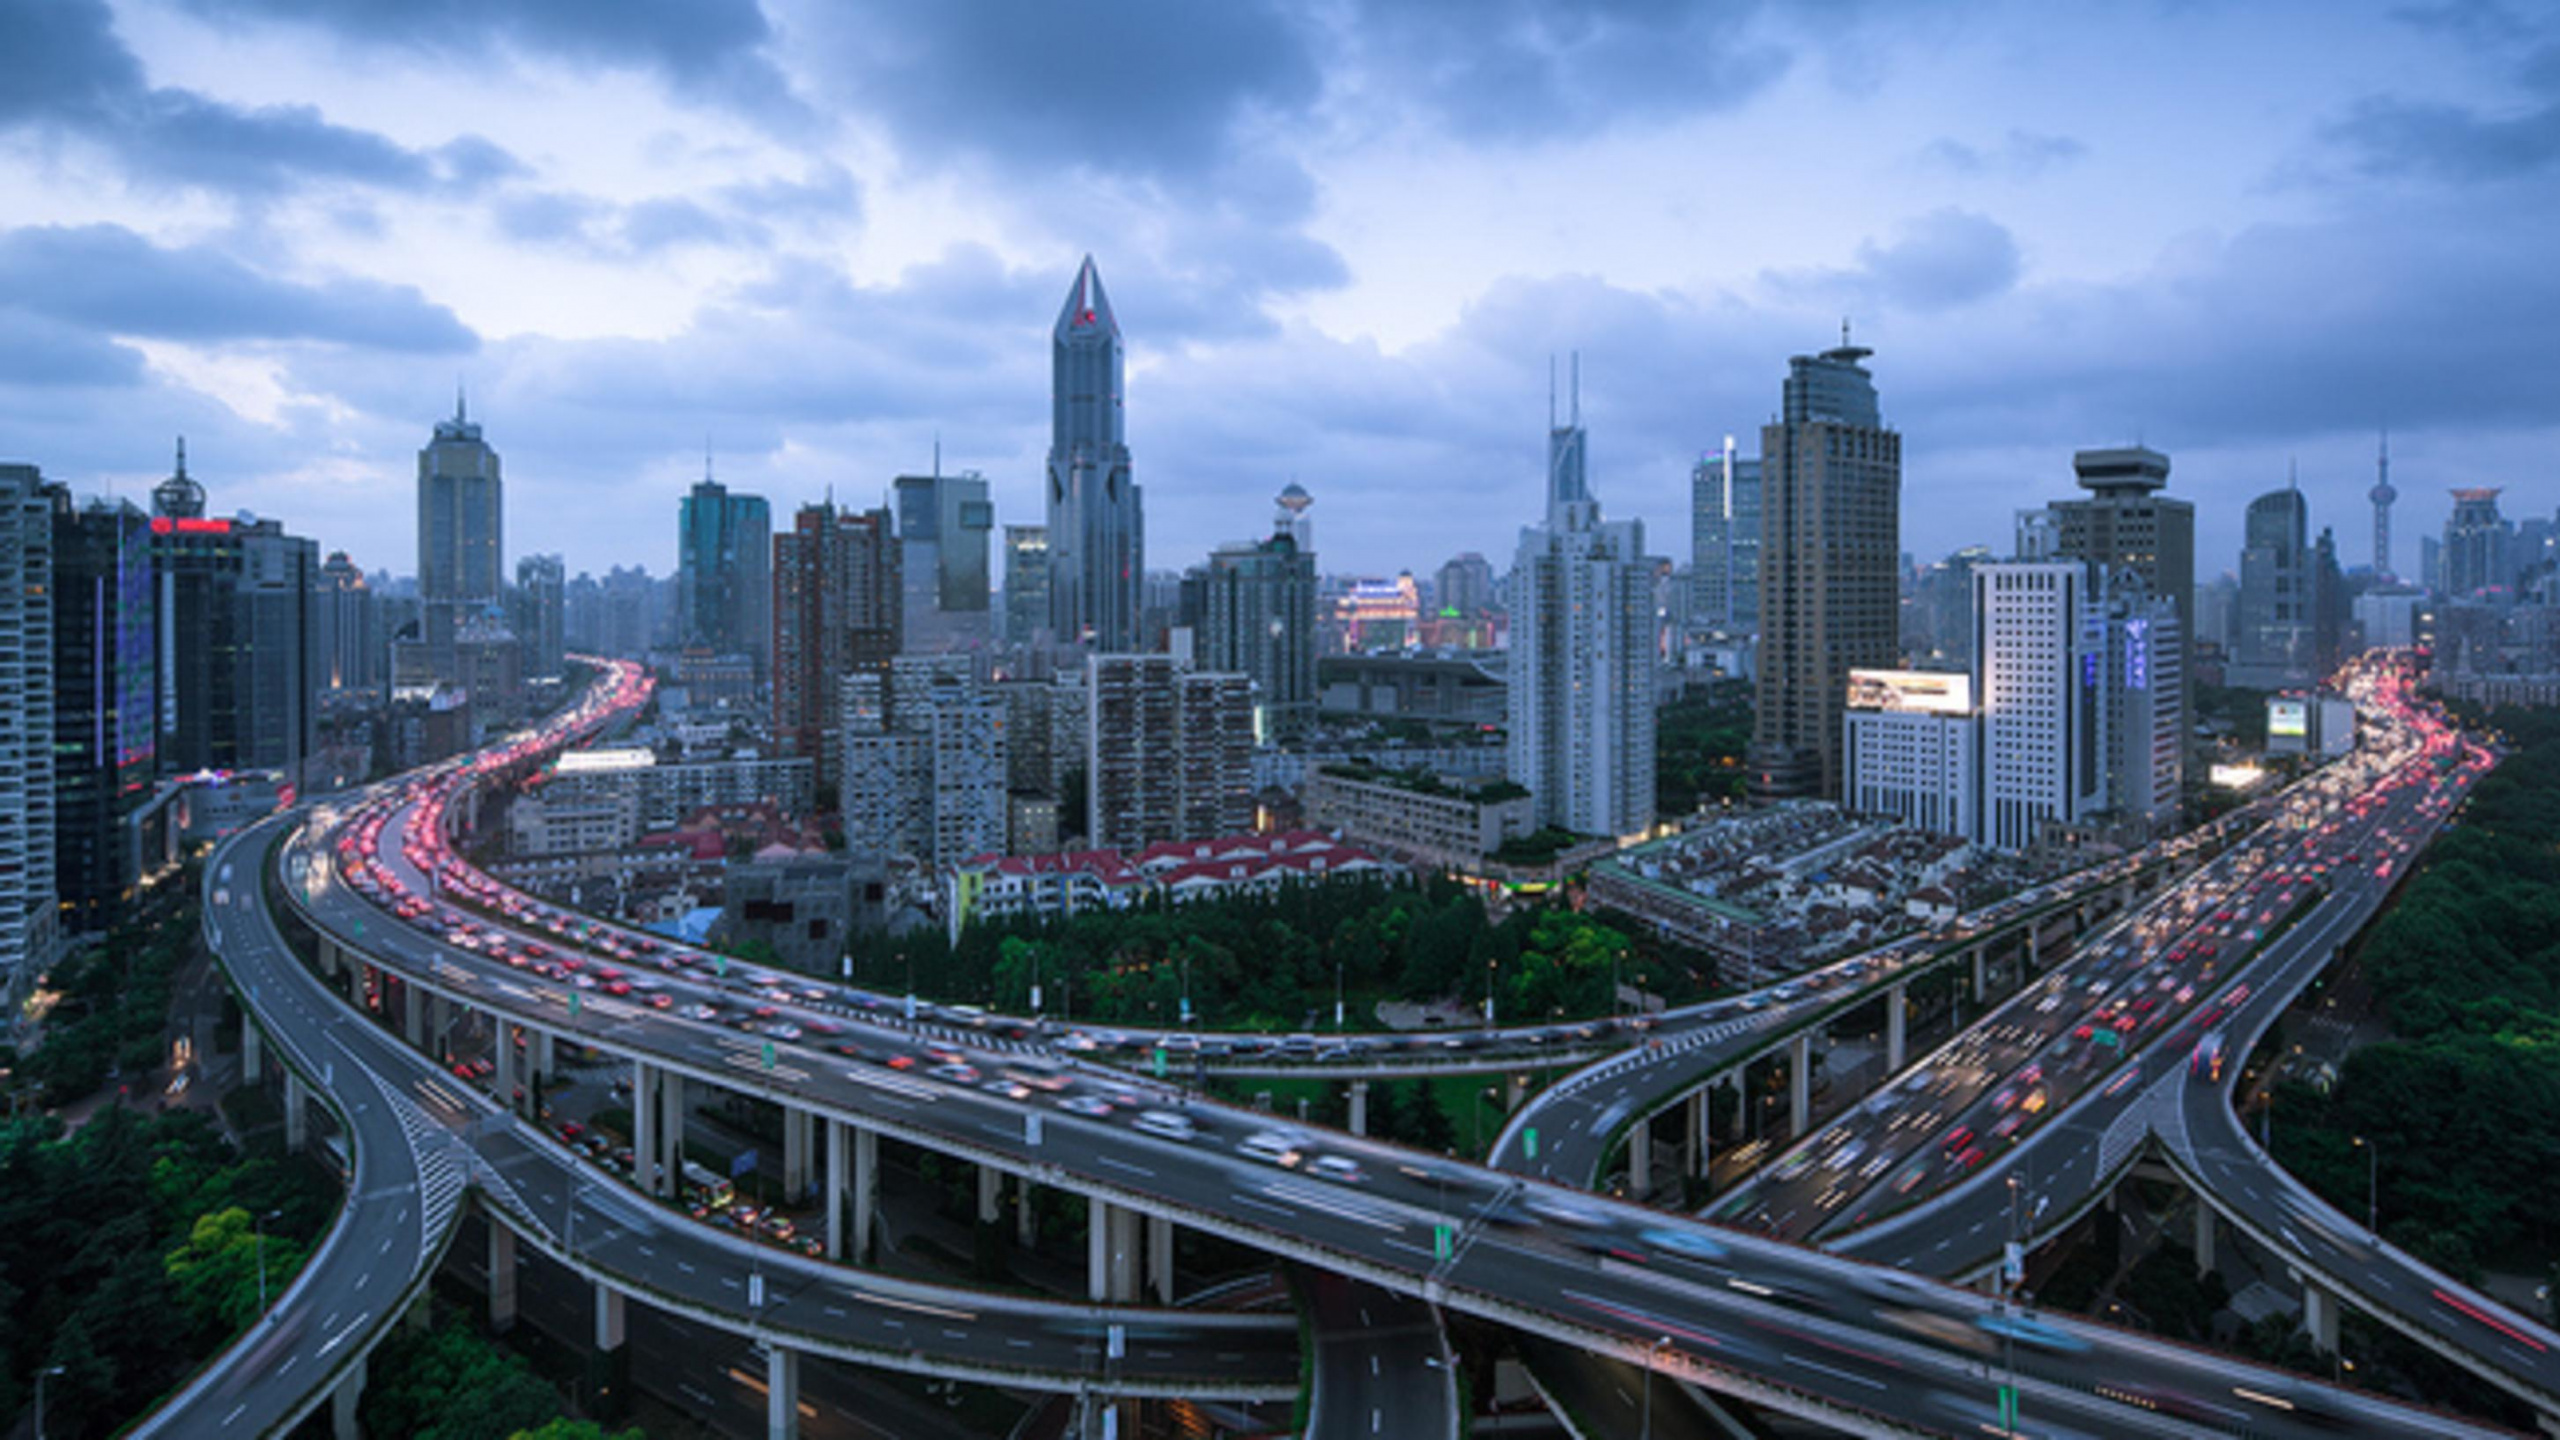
[(182, 457), (1844, 332), (1577, 389), (460, 415), (937, 454), (2292, 473), (706, 457), (1551, 390)]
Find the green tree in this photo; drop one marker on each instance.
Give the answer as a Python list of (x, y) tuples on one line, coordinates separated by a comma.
[(215, 1275)]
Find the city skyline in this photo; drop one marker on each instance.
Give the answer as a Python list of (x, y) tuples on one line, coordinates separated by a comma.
[(1322, 267)]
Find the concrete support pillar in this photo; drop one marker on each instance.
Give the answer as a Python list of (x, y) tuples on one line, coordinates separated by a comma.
[(2320, 1316), (413, 1015), (1359, 1107), (504, 1052), (1111, 1252), (1640, 1158), (297, 1113), (252, 1049), (866, 1192), (2035, 947), (1026, 1228), (990, 1195), (355, 985), (610, 1332), (343, 1402), (1741, 1104), (439, 1025), (670, 1135), (2204, 1238), (837, 1143), (644, 1126), (1897, 1011), (502, 1278), (1981, 982), (545, 1063), (1800, 1084), (782, 1393), (799, 1135), (1160, 1257), (1701, 1133)]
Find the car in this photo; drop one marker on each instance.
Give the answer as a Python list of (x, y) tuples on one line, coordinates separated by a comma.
[(1166, 1124), (1566, 1210), (955, 1072), (2031, 1332), (1280, 1147), (1687, 1244), (1093, 1105), (1336, 1167)]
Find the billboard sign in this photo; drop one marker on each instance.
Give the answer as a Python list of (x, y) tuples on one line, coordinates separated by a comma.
[(1930, 692)]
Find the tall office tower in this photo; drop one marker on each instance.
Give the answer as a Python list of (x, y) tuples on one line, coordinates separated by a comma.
[(1026, 583), (237, 638), (541, 618), (30, 922), (461, 534), (724, 572), (2128, 526), (2044, 736), (2475, 543), (1582, 655), (630, 612), (1258, 619), (2329, 606), (2382, 494), (944, 523), (1169, 752), (2430, 563), (352, 650), (925, 760), (1831, 520), (835, 611), (1097, 528), (105, 689), (1941, 626), (2273, 625), (1465, 585), (1724, 540), (2141, 677)]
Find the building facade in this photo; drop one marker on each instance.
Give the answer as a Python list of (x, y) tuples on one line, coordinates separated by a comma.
[(944, 525), (2272, 626), (1096, 522), (30, 925), (2128, 526), (835, 611), (237, 641), (724, 572), (541, 614), (1169, 751), (926, 761), (461, 533), (1259, 620), (1724, 541), (2474, 554), (1831, 517), (105, 699)]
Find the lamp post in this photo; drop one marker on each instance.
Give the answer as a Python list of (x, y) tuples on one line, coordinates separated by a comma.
[(40, 1378), (2372, 1186), (1337, 997), (257, 1227), (1650, 1351), (1489, 967)]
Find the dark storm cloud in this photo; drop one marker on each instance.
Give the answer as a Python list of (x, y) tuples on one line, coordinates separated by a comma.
[(2023, 154), (2387, 136), (47, 354), (1936, 261), (65, 74), (712, 50), (1531, 70), (108, 279)]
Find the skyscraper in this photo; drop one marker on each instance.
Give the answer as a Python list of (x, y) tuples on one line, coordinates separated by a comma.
[(29, 922), (352, 652), (104, 695), (2272, 629), (1724, 540), (237, 637), (1169, 752), (1465, 585), (1097, 529), (724, 572), (2475, 543), (542, 613), (1259, 620), (2128, 526), (925, 761), (461, 534), (1026, 583), (944, 522), (1831, 519), (835, 610), (1582, 654), (2044, 753)]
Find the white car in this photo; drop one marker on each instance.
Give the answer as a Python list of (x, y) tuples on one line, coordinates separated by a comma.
[(1167, 1124)]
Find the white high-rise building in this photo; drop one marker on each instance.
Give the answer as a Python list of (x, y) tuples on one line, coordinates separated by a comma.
[(29, 916), (924, 761), (1582, 656), (2043, 718), (1913, 737), (2143, 680)]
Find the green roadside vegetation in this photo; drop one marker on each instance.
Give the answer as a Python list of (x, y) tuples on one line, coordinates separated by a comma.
[(2460, 1109), (1697, 751), (112, 1010), (447, 1381), (2245, 711), (1273, 962)]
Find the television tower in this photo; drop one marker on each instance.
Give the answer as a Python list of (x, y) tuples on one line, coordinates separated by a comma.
[(2382, 495)]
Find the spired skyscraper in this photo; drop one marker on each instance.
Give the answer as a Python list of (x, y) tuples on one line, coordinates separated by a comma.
[(1097, 530), (1831, 524), (1582, 652), (461, 535)]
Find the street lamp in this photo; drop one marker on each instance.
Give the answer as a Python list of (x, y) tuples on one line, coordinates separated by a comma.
[(1650, 1351), (40, 1377), (1337, 997), (2372, 1186), (257, 1227), (1489, 966)]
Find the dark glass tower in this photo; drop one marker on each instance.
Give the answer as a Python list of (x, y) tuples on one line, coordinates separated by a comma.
[(105, 696), (1097, 531), (461, 515)]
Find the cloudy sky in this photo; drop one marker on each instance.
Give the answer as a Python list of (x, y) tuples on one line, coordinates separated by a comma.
[(1342, 238)]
